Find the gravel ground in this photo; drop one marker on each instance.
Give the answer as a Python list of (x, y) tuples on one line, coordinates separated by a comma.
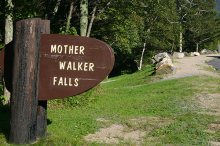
[(192, 66)]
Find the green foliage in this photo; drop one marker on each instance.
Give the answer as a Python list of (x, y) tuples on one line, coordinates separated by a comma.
[(212, 45), (161, 24), (2, 97), (124, 26), (201, 23), (71, 31), (1, 45), (28, 9), (122, 29)]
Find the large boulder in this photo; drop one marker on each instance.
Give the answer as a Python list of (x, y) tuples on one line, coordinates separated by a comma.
[(159, 57), (187, 54), (163, 64), (165, 69), (178, 55), (194, 54), (164, 61), (215, 52), (204, 51)]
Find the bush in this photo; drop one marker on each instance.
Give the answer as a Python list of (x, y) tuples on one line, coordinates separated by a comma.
[(78, 100)]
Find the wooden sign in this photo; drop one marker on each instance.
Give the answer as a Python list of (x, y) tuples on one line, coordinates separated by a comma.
[(70, 65)]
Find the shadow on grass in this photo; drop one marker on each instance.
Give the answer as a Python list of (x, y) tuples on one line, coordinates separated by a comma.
[(5, 120)]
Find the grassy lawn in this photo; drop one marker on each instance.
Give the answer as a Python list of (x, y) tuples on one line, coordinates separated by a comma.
[(167, 112)]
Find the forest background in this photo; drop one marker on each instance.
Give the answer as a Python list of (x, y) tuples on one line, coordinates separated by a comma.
[(129, 27)]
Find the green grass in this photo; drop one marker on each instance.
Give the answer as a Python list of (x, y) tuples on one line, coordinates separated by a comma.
[(129, 97)]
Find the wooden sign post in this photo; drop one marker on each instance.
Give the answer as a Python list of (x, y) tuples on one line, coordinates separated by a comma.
[(28, 120), (48, 66)]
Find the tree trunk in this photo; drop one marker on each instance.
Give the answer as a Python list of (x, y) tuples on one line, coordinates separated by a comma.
[(51, 14), (41, 119), (83, 17), (8, 37), (197, 47), (9, 23), (69, 17), (142, 56), (181, 16), (91, 21), (218, 47), (42, 105), (56, 7), (24, 103), (181, 42)]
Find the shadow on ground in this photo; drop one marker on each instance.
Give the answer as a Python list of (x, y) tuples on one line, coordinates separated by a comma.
[(215, 62), (217, 57)]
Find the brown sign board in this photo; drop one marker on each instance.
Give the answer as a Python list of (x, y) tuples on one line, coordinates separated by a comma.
[(70, 65)]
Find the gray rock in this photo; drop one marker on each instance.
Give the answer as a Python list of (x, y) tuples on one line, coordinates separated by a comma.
[(209, 52), (159, 57), (194, 54), (187, 54), (163, 64), (165, 69), (164, 61), (178, 55), (215, 52), (204, 51)]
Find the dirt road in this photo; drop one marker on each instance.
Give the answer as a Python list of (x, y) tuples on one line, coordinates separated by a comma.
[(191, 66)]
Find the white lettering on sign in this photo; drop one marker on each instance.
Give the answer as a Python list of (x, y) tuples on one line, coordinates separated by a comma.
[(64, 81), (67, 49), (76, 66), (70, 65)]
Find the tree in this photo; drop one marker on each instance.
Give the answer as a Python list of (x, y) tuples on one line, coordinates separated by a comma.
[(83, 17), (9, 22), (69, 16), (160, 24), (201, 23), (180, 4)]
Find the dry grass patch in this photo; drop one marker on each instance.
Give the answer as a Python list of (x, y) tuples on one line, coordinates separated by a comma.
[(212, 143), (210, 103), (133, 131)]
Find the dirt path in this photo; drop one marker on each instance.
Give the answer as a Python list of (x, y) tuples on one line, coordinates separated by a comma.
[(191, 66)]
